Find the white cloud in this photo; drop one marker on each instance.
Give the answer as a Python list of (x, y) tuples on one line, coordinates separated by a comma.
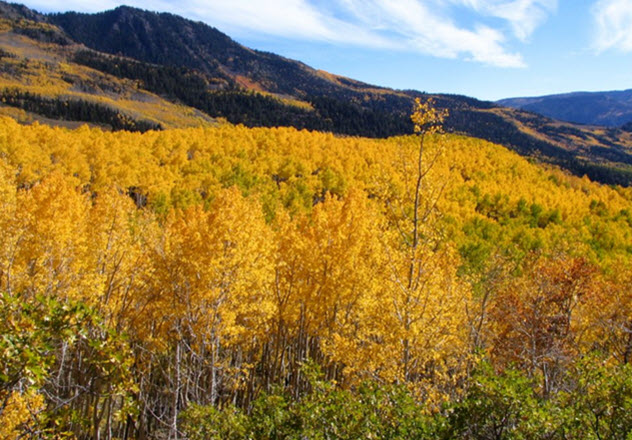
[(441, 28), (523, 16), (613, 19), (287, 18), (419, 26), (70, 5)]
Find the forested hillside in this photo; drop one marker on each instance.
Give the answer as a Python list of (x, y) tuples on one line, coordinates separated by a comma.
[(123, 69), (229, 282), (337, 104), (38, 82), (203, 241)]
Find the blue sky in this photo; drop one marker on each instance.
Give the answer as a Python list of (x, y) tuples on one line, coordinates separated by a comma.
[(489, 49)]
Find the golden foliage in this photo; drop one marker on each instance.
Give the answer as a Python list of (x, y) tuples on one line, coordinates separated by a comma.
[(230, 256), (19, 413), (426, 117)]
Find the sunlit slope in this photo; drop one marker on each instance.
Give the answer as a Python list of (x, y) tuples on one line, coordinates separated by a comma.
[(245, 255), (491, 197), (40, 79)]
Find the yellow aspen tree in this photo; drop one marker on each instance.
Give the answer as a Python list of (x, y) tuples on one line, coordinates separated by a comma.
[(282, 354), (117, 238), (51, 230), (212, 286), (325, 267), (343, 253), (9, 233), (419, 328)]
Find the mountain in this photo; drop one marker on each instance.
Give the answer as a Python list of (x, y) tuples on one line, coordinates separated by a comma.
[(223, 66), (157, 70), (39, 82), (167, 39), (610, 109)]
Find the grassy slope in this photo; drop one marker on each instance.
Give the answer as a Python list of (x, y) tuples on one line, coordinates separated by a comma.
[(45, 70)]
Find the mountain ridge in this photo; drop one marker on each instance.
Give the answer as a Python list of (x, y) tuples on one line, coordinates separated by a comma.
[(605, 108)]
